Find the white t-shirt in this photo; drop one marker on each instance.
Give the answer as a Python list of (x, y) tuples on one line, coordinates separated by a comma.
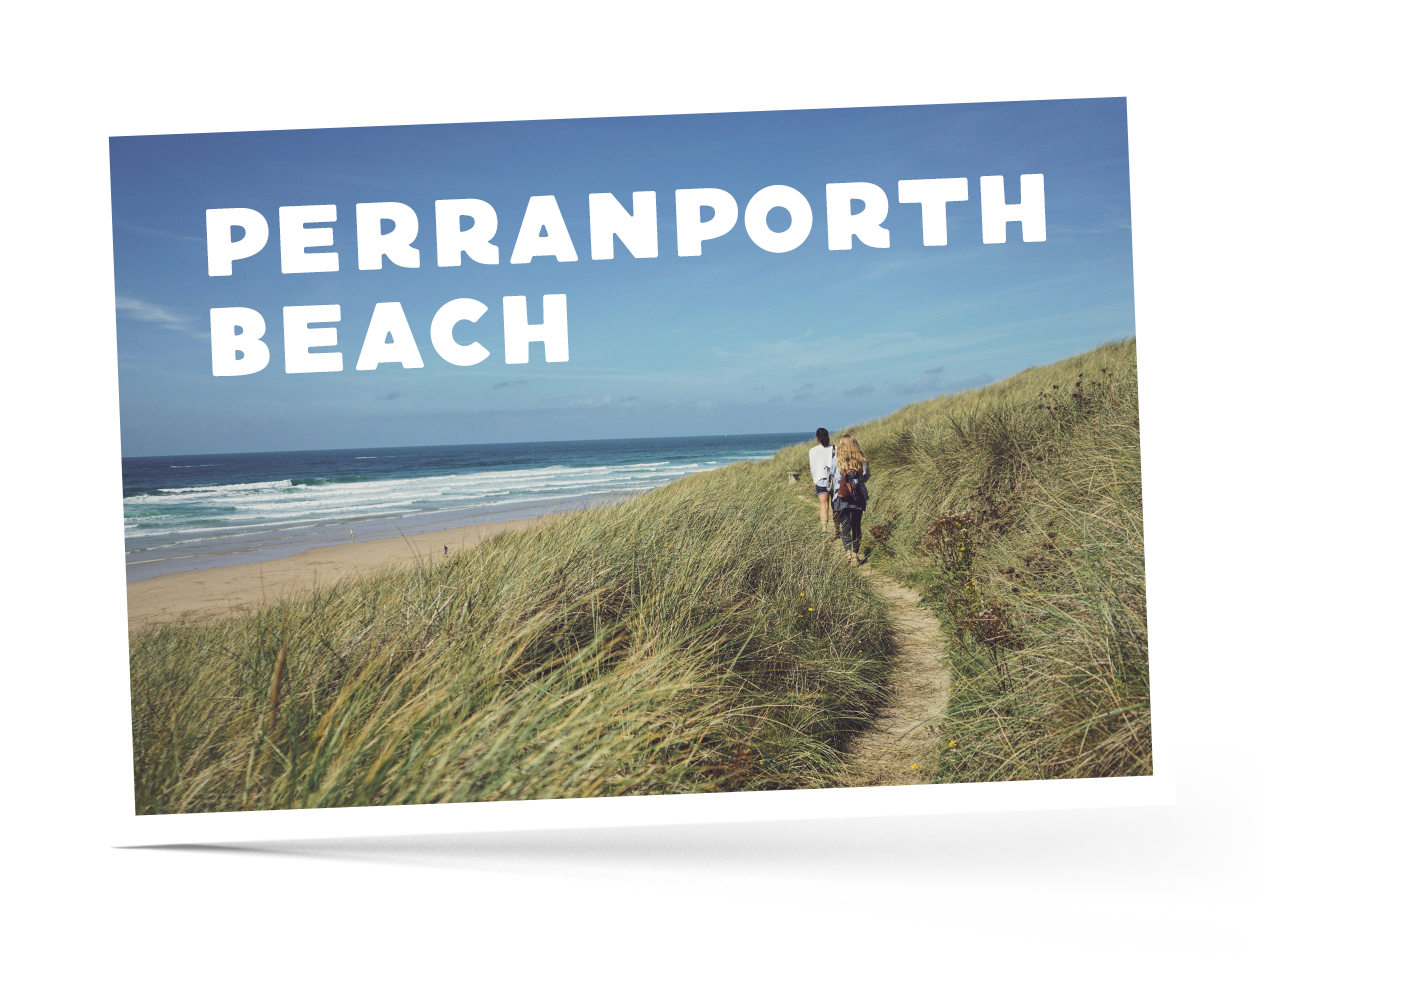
[(823, 461)]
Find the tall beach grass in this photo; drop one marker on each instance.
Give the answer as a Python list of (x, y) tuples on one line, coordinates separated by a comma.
[(1016, 509), (694, 638), (702, 636)]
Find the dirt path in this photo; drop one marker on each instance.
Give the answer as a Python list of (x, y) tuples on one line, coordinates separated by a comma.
[(920, 687)]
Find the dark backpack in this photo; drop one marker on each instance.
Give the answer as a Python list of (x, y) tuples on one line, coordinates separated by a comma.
[(851, 489)]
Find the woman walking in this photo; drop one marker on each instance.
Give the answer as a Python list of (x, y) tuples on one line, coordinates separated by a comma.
[(822, 460), (850, 497)]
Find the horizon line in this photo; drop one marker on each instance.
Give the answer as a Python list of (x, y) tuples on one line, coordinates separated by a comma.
[(482, 444)]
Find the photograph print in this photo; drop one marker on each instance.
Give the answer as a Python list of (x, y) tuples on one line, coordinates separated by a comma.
[(626, 456)]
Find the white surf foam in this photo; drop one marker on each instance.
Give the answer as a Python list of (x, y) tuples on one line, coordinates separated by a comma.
[(273, 504)]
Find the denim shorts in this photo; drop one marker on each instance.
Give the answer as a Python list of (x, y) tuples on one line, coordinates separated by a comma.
[(820, 489)]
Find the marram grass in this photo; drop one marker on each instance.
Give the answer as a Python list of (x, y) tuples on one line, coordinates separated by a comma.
[(1016, 508), (702, 636), (698, 637)]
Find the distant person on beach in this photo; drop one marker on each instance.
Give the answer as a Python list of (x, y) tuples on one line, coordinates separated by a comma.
[(822, 459), (850, 496)]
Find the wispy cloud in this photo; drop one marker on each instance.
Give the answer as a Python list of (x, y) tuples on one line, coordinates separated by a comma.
[(859, 391), (982, 379), (507, 382), (927, 383), (799, 355), (392, 396), (930, 383), (154, 313)]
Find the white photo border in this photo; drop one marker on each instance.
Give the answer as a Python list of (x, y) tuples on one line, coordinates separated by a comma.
[(113, 771)]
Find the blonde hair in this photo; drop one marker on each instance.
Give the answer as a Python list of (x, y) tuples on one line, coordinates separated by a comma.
[(850, 457)]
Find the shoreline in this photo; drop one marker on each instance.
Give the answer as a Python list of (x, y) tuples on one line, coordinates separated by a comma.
[(210, 513), (255, 547), (205, 594)]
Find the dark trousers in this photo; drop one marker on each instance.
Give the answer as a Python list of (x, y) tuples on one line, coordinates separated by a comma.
[(850, 520)]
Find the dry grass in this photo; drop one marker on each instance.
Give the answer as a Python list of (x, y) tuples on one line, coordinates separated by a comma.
[(700, 636), (690, 639), (1017, 508)]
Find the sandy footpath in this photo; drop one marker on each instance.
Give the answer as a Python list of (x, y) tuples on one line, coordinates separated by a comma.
[(891, 753), (214, 592)]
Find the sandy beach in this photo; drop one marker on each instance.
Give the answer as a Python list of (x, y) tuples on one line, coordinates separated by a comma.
[(206, 593)]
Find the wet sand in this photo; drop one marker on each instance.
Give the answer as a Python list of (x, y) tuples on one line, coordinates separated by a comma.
[(206, 593)]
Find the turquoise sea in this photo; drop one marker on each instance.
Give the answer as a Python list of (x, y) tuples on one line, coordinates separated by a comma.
[(199, 511)]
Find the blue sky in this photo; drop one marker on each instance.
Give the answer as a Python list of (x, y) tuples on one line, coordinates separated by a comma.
[(736, 340)]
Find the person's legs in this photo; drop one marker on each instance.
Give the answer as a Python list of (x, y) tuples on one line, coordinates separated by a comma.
[(824, 508), (851, 533)]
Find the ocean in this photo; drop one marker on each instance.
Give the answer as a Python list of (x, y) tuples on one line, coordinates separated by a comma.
[(200, 511)]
